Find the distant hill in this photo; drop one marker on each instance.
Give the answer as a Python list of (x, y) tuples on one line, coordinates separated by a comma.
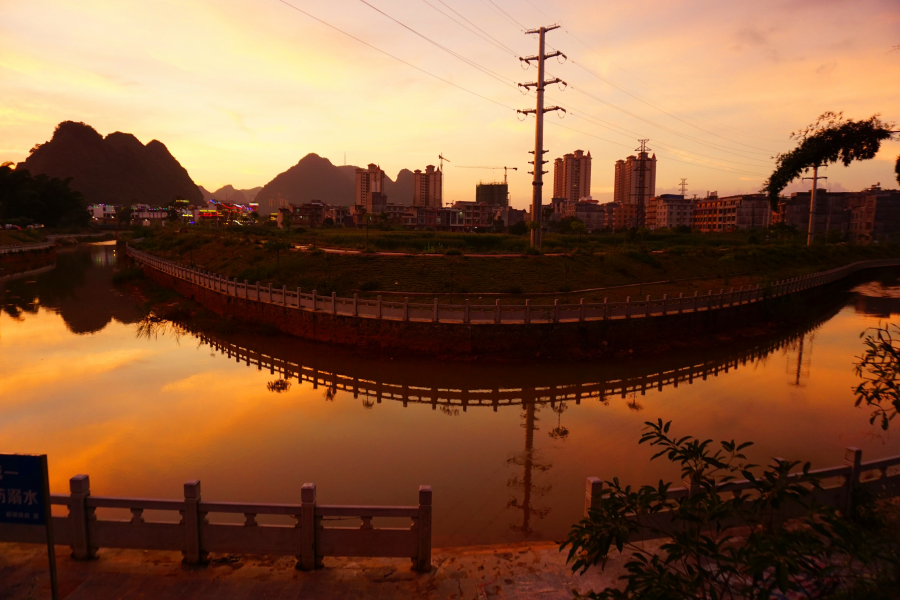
[(315, 178), (117, 169), (229, 193)]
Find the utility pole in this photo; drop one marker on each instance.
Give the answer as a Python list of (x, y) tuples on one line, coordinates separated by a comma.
[(812, 205), (539, 110)]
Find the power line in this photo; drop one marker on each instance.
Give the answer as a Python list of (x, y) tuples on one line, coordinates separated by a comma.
[(498, 42), (506, 14), (398, 59), (471, 63)]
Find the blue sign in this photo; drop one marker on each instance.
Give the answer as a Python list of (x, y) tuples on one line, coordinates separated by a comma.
[(22, 489)]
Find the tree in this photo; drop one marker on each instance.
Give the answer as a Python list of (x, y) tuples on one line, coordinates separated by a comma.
[(703, 556), (123, 215), (578, 227), (830, 139), (520, 228), (174, 211), (277, 246), (41, 199)]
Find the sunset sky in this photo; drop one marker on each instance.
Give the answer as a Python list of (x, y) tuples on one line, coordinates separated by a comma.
[(240, 90)]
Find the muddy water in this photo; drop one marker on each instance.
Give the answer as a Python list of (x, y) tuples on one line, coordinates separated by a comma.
[(506, 447)]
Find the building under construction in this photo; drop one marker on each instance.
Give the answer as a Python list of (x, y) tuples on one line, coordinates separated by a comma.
[(492, 194)]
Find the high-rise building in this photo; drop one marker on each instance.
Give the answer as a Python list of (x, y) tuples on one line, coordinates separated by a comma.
[(428, 187), (572, 176), (493, 194), (368, 182), (628, 188)]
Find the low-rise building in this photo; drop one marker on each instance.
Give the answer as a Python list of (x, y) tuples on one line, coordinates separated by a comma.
[(668, 211)]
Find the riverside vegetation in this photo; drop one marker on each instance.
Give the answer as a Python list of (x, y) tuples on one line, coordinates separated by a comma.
[(650, 263)]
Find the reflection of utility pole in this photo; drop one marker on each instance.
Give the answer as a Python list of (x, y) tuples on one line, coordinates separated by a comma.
[(802, 369), (529, 463), (539, 110)]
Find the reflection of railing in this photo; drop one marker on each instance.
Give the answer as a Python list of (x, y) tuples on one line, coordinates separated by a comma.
[(870, 476), (497, 313), (496, 396), (195, 536), (26, 247), (27, 274)]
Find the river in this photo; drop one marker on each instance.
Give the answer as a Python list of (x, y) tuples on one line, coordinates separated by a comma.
[(506, 447)]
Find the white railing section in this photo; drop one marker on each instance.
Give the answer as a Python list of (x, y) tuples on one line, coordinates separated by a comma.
[(500, 313), (880, 477), (184, 525), (26, 247)]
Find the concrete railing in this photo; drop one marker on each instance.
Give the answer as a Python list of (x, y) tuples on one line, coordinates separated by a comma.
[(25, 247), (496, 313), (189, 530), (872, 476)]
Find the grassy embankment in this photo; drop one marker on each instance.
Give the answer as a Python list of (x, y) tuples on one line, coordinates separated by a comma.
[(707, 262), (11, 237)]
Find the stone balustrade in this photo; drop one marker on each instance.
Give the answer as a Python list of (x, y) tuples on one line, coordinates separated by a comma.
[(184, 525), (497, 313), (14, 249), (879, 477)]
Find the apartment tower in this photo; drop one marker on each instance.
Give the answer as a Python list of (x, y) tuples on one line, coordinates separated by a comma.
[(428, 187), (368, 182), (572, 176), (627, 188)]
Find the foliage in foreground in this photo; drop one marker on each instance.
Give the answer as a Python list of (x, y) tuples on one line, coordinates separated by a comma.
[(879, 368), (818, 553)]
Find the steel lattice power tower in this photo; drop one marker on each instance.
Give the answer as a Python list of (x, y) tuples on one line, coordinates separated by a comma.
[(641, 187), (539, 110), (683, 186)]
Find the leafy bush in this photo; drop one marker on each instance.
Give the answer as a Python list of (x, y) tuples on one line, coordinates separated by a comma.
[(704, 557), (879, 368)]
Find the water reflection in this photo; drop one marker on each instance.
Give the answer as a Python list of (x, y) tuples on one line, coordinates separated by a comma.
[(78, 287), (144, 405)]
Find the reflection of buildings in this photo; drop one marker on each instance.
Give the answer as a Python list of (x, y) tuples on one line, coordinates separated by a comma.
[(876, 307)]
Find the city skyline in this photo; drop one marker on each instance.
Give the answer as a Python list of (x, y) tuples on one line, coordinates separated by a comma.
[(239, 92)]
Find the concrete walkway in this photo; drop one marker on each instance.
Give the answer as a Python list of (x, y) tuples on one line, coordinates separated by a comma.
[(535, 570)]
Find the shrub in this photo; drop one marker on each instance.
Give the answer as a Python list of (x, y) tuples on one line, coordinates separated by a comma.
[(704, 557), (453, 252)]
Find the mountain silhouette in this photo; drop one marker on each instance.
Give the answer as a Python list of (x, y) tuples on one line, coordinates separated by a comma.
[(117, 169), (315, 178)]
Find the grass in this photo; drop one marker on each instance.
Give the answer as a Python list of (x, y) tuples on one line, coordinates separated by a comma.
[(452, 276), (11, 237)]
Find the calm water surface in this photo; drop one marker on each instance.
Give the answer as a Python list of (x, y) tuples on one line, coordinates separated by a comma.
[(505, 447)]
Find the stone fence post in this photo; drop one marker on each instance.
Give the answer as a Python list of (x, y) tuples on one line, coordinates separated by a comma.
[(80, 517), (191, 520), (592, 494), (307, 527), (853, 456), (423, 529)]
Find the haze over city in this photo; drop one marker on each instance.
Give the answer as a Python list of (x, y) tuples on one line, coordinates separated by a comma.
[(239, 90)]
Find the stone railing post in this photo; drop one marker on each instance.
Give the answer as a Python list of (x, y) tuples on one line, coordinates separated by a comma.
[(406, 308), (378, 312), (193, 547), (628, 307), (696, 300), (355, 305), (435, 317), (334, 303), (299, 301), (647, 310), (592, 494), (247, 289), (466, 313), (853, 456), (581, 313), (497, 318), (80, 517), (556, 310), (605, 308), (528, 310), (665, 301), (257, 291), (423, 530), (269, 299), (307, 527), (314, 307)]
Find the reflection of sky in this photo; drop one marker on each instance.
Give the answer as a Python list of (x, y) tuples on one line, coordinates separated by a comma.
[(141, 416)]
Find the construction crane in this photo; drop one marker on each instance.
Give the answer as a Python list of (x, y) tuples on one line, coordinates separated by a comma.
[(492, 168), (442, 159)]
